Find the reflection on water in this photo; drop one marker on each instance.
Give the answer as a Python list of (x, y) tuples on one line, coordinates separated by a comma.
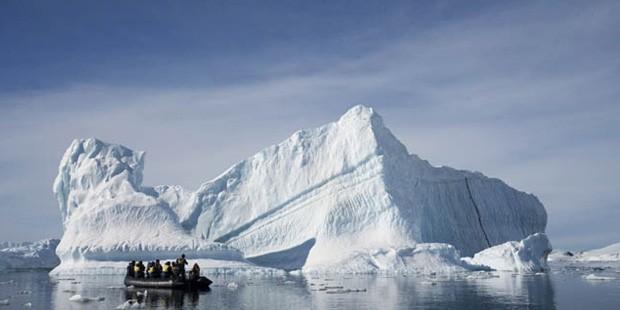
[(472, 291)]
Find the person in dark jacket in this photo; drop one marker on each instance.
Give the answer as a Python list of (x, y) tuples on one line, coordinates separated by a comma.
[(194, 274), (130, 271), (158, 269), (181, 262)]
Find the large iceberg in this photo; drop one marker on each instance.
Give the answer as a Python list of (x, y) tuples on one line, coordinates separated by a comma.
[(318, 198), (29, 255)]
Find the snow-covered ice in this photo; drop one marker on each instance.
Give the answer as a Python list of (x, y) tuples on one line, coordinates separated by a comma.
[(610, 253), (528, 255), (28, 255), (346, 190)]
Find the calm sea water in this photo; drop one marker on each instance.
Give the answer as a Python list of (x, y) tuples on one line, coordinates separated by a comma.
[(562, 288)]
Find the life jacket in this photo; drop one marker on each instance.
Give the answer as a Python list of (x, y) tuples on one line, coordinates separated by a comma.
[(136, 269), (151, 269), (166, 268)]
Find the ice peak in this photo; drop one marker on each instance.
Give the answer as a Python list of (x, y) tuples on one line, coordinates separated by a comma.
[(362, 114)]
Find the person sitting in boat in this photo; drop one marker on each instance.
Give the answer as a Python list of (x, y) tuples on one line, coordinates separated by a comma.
[(194, 274), (166, 270), (150, 270), (176, 271), (157, 269), (130, 269), (139, 270)]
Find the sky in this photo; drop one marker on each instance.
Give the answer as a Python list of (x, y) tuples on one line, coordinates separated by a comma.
[(525, 91)]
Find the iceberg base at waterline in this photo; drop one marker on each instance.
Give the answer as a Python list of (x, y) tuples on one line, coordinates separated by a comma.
[(525, 256)]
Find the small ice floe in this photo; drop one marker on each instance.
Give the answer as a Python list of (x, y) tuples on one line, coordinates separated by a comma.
[(346, 291), (7, 282), (594, 277), (145, 293), (83, 299), (289, 282), (28, 305), (4, 302), (232, 285), (117, 287), (130, 304)]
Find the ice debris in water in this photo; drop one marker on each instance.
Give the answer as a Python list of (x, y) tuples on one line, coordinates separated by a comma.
[(7, 282), (594, 277), (232, 285), (28, 305), (4, 302), (80, 298)]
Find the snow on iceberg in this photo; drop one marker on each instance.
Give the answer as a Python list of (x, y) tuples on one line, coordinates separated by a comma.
[(609, 253), (318, 197), (29, 255), (527, 256), (423, 258)]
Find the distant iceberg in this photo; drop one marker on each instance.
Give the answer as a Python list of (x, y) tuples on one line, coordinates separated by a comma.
[(345, 190), (29, 255), (610, 253)]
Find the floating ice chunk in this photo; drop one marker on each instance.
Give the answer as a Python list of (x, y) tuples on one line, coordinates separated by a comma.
[(594, 277), (526, 256), (232, 285), (4, 302), (28, 305), (80, 298)]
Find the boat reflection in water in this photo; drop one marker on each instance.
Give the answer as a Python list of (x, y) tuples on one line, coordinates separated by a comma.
[(164, 298)]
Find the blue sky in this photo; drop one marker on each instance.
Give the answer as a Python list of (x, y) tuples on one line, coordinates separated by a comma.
[(525, 91)]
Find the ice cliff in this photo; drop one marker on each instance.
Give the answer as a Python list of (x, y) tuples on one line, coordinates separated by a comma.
[(27, 255), (313, 200)]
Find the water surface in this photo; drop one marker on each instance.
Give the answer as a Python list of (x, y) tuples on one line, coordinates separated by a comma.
[(562, 288)]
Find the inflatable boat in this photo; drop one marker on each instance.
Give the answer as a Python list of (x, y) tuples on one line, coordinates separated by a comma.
[(198, 284)]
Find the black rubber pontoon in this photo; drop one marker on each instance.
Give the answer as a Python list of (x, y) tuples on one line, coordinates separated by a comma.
[(199, 284)]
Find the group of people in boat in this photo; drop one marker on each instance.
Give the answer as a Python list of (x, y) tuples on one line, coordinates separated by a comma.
[(169, 270)]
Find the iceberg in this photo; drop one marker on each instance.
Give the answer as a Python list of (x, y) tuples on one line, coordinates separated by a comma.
[(324, 195), (610, 253), (29, 255)]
